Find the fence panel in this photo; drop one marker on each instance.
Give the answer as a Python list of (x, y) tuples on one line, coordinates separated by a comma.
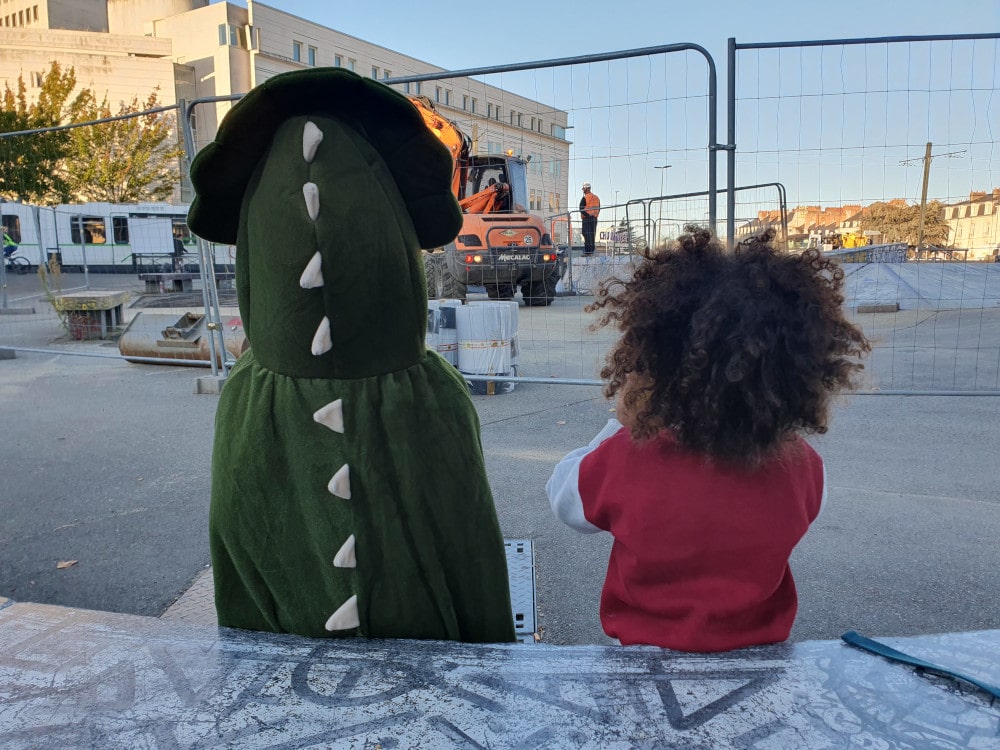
[(632, 124), (83, 262), (878, 142)]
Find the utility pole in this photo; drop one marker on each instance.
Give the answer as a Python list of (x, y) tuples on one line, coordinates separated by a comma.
[(923, 198), (923, 195)]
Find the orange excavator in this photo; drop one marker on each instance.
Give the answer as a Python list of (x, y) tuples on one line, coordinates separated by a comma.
[(501, 246)]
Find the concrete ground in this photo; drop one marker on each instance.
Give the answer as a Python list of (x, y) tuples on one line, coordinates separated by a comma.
[(106, 464)]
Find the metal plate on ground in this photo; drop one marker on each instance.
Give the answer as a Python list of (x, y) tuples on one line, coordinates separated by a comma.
[(521, 573)]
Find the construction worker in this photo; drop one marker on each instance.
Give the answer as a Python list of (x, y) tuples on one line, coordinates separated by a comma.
[(590, 207)]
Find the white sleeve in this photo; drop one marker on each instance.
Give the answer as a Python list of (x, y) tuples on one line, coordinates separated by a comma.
[(822, 499), (563, 487)]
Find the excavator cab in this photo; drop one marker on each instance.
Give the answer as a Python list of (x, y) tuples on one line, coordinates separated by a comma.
[(494, 184)]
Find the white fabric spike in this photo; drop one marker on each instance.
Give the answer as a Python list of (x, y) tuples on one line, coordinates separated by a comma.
[(310, 192), (340, 484), (322, 343), (312, 277), (332, 415), (312, 136), (345, 557), (346, 616)]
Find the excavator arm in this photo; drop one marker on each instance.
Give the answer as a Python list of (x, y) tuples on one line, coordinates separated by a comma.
[(457, 142), (494, 198)]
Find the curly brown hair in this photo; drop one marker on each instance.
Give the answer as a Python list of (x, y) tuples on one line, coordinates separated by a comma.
[(734, 353)]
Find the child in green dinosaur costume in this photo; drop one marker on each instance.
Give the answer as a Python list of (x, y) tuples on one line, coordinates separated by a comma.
[(349, 492)]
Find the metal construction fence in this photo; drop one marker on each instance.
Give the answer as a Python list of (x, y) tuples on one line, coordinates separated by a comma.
[(881, 141), (818, 133)]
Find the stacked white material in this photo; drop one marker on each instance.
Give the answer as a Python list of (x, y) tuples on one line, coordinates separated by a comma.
[(486, 335), (442, 334)]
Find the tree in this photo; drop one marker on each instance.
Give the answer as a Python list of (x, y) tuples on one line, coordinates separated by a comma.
[(899, 222), (29, 163), (124, 161)]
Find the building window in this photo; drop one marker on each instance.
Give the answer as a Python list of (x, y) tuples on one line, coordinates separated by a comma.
[(387, 73), (513, 117), (375, 72), (557, 131), (447, 97), (94, 230), (532, 123), (119, 230), (406, 87), (473, 107), (465, 102), (312, 56), (338, 61), (520, 120), (416, 88), (489, 110), (297, 51), (352, 65)]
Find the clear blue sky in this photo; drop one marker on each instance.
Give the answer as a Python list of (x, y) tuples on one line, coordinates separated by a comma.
[(833, 148), (463, 35)]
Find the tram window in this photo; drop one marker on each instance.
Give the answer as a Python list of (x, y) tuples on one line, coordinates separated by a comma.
[(119, 229), (12, 226), (94, 230), (180, 229)]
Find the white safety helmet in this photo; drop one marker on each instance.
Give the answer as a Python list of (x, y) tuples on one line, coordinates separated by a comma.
[(586, 186)]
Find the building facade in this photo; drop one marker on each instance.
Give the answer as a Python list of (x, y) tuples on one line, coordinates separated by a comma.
[(974, 225), (192, 49)]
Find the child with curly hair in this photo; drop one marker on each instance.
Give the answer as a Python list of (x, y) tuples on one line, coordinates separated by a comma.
[(704, 481)]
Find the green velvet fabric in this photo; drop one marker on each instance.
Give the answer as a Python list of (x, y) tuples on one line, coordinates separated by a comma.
[(430, 557), (430, 560)]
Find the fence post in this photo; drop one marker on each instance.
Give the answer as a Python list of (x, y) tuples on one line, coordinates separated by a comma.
[(206, 265), (731, 143)]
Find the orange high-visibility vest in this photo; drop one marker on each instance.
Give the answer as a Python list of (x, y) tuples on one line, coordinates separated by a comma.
[(593, 204)]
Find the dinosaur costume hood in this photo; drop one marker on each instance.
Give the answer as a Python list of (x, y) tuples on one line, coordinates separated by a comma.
[(349, 491), (375, 190)]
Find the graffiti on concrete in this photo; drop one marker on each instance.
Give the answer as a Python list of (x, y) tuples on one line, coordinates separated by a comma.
[(85, 679)]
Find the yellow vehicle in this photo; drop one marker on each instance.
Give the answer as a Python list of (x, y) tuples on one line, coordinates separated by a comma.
[(501, 246), (850, 239)]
